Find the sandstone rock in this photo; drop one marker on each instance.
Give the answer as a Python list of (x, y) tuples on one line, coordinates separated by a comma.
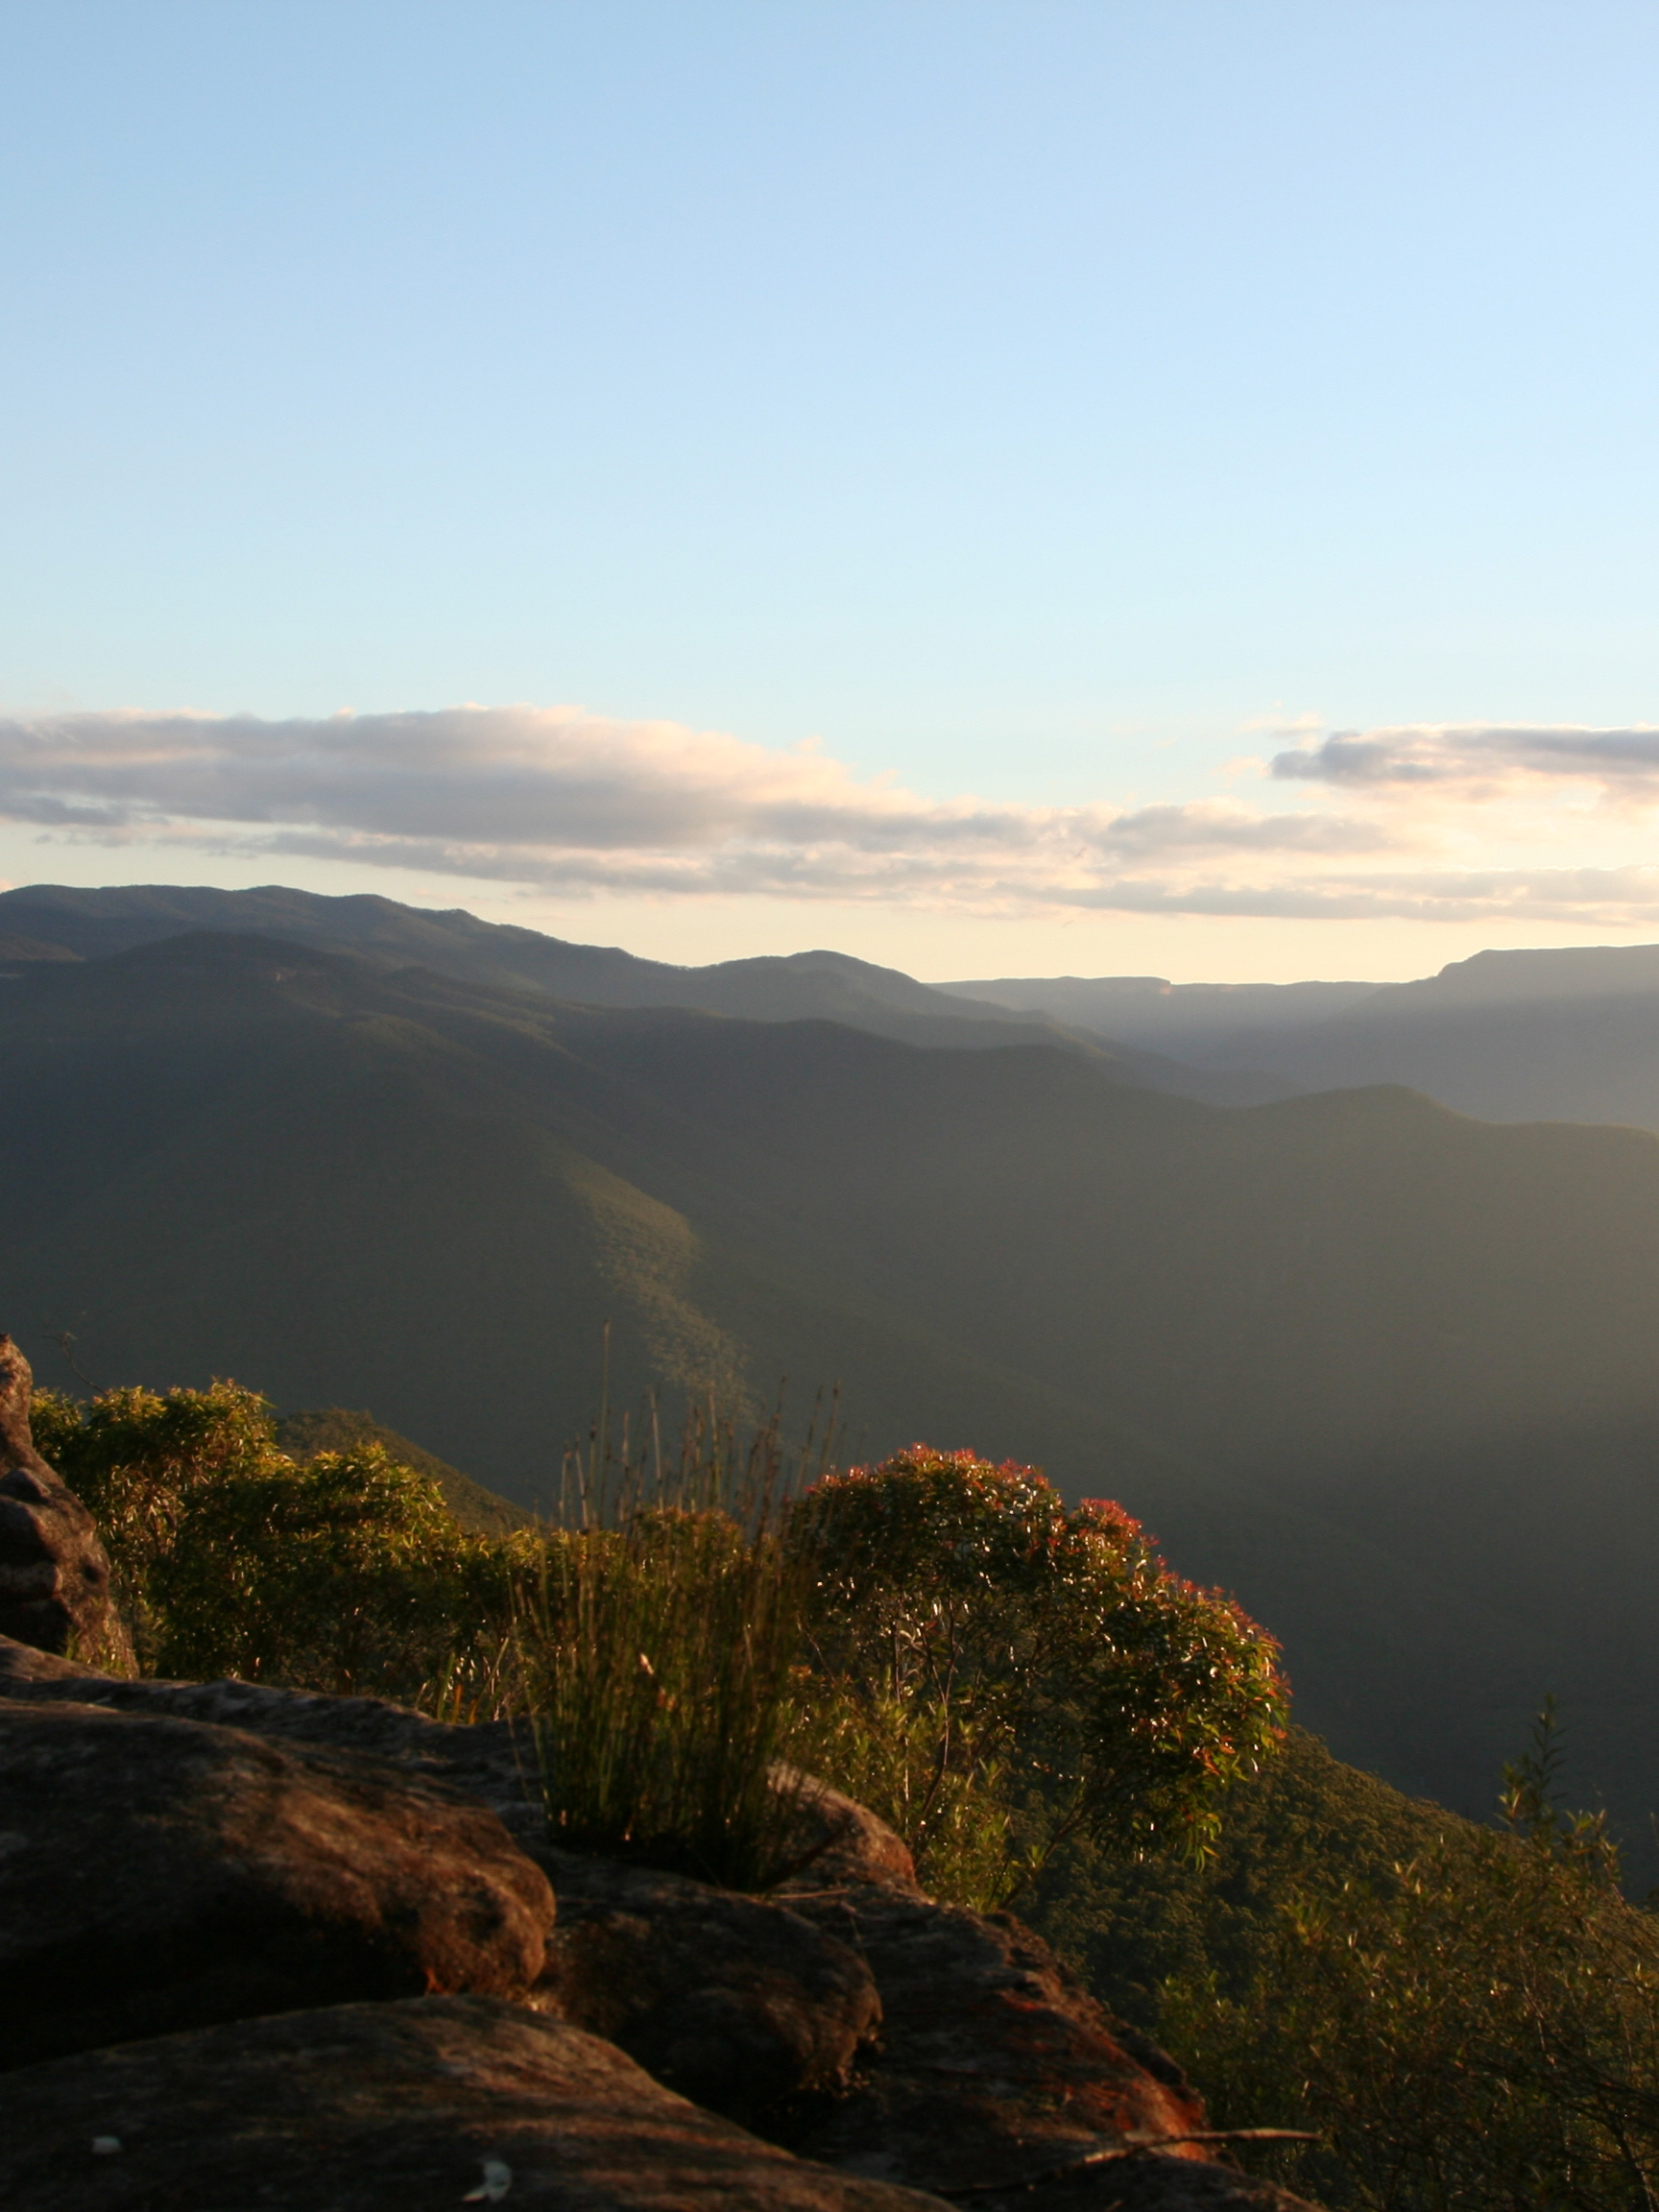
[(54, 1572), (394, 2107), (991, 2048), (159, 1873), (734, 2002), (995, 2064), (842, 1841), (493, 1762)]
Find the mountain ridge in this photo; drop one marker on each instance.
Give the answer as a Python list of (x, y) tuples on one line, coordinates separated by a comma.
[(62, 920), (1567, 1033)]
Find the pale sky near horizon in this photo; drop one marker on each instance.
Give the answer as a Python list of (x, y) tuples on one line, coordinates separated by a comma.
[(1162, 487)]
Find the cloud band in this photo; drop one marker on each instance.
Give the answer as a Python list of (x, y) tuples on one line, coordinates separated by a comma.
[(575, 804)]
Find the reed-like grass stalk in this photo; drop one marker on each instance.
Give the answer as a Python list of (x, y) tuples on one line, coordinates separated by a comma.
[(658, 1654)]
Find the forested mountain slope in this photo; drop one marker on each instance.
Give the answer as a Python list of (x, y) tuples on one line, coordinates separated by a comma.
[(50, 921), (1386, 1372)]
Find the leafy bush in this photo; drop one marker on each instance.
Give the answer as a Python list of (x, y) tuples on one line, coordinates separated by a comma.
[(345, 1575), (998, 1675), (1471, 2026)]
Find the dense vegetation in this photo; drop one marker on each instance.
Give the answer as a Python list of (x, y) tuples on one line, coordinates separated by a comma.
[(1002, 1676), (995, 1673), (345, 1573), (1468, 2017)]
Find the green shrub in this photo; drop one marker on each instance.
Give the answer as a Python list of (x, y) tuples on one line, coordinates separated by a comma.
[(997, 1674), (347, 1575)]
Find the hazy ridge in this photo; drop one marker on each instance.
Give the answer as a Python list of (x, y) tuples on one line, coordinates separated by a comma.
[(1569, 1034)]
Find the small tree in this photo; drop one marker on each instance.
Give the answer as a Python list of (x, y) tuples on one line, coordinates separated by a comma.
[(999, 1672)]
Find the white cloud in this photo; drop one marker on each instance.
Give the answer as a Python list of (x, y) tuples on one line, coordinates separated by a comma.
[(1614, 762), (1444, 823)]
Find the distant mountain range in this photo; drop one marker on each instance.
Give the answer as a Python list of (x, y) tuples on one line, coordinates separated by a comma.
[(53, 922), (1569, 1035), (1387, 1372), (1196, 1020)]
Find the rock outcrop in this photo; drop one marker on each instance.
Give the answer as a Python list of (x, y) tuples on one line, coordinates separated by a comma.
[(54, 1572), (733, 2000), (891, 2044), (419, 2106), (841, 1841), (159, 1873), (736, 2001), (995, 2065), (493, 1763)]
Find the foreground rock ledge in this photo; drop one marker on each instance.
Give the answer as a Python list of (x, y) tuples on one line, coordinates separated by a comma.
[(991, 2073), (735, 2002), (392, 2107), (159, 1873)]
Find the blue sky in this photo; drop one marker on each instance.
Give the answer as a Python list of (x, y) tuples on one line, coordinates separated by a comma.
[(1050, 409)]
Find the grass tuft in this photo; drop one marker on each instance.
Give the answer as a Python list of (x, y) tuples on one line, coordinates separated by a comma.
[(658, 1654)]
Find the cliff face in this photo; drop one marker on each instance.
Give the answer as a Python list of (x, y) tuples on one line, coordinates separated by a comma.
[(276, 1950)]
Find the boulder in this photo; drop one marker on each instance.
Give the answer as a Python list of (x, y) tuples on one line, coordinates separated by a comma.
[(841, 1841), (159, 1873), (738, 2003), (54, 1572), (417, 2106), (995, 2067), (492, 1762), (1001, 2083)]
